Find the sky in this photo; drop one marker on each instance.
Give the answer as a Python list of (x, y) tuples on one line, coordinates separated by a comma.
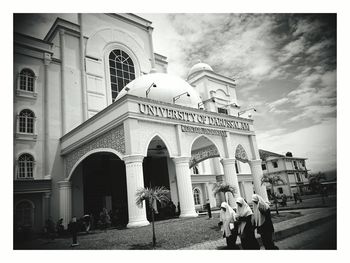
[(284, 66)]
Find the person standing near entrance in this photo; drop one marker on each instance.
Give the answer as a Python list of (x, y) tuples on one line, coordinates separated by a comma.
[(245, 227), (73, 227), (227, 220), (263, 222)]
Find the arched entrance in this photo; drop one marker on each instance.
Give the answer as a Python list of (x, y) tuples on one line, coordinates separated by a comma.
[(156, 166), (99, 182), (206, 171)]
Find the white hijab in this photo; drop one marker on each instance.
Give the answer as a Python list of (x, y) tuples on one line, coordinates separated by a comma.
[(259, 218), (227, 218), (242, 211)]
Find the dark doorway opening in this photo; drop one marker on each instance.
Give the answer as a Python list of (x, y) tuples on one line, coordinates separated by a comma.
[(104, 184)]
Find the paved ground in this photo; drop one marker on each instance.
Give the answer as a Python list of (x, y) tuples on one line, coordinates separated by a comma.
[(282, 229), (309, 202), (323, 236)]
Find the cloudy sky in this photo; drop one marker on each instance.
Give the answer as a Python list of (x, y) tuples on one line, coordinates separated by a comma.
[(284, 65)]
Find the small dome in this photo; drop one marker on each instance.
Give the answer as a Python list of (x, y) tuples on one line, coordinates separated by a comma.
[(167, 87), (200, 66)]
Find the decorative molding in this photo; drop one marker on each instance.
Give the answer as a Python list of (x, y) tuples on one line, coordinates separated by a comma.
[(26, 136), (113, 139), (241, 154), (26, 94), (203, 154)]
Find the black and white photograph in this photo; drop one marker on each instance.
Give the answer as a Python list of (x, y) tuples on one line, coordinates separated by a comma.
[(158, 131)]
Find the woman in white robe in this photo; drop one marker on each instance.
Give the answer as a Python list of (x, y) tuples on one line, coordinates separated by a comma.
[(245, 228), (227, 220), (263, 222)]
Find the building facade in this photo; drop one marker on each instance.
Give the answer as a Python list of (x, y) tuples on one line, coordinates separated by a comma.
[(292, 170), (97, 117)]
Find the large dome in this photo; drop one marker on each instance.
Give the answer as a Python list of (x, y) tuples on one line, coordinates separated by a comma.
[(167, 87), (200, 66)]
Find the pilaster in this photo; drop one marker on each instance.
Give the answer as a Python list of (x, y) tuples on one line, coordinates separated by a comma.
[(65, 204), (184, 185), (231, 179), (134, 181), (257, 173)]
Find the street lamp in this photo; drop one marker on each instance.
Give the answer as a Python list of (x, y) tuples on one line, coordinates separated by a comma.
[(241, 112), (178, 96), (153, 85)]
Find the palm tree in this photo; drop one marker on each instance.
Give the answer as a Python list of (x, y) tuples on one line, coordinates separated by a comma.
[(224, 188), (315, 183), (273, 180), (152, 195)]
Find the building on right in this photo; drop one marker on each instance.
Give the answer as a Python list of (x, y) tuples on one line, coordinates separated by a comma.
[(292, 170)]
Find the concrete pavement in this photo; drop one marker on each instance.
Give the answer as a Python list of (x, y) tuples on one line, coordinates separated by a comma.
[(310, 218)]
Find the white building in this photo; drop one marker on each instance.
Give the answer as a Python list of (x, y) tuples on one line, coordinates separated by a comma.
[(292, 170), (96, 117)]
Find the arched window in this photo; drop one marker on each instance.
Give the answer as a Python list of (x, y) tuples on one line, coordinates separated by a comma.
[(24, 214), (26, 80), (26, 121), (196, 196), (195, 169), (25, 166), (122, 71)]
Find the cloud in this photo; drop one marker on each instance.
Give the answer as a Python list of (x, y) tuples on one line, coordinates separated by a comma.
[(292, 49), (272, 106)]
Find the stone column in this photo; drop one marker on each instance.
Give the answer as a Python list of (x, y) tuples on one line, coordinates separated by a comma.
[(257, 173), (46, 205), (134, 181), (65, 205), (63, 65), (231, 178), (46, 118), (184, 186)]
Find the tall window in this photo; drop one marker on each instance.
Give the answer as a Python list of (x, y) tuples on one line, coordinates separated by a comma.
[(263, 166), (122, 70), (26, 80), (26, 121), (195, 170), (196, 196), (25, 166)]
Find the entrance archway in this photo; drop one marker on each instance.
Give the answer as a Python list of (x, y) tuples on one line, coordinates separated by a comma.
[(205, 169), (158, 171), (99, 182)]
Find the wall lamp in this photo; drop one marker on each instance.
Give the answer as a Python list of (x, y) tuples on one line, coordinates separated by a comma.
[(204, 101), (153, 85), (241, 112), (233, 105), (178, 96)]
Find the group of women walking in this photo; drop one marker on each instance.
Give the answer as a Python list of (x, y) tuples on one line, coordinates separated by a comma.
[(243, 222)]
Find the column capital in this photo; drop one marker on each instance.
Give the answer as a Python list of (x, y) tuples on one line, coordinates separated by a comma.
[(47, 195), (226, 161), (255, 162), (61, 31), (47, 59), (137, 158), (64, 184), (181, 159)]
